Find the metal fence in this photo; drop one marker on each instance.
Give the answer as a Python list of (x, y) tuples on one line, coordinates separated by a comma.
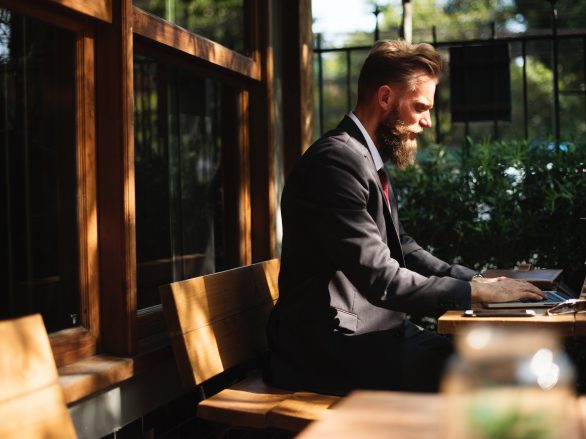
[(548, 87)]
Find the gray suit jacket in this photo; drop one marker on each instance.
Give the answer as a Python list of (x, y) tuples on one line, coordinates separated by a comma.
[(349, 272)]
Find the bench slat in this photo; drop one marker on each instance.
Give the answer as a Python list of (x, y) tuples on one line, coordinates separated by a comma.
[(31, 400), (217, 322), (301, 408), (244, 404), (223, 344)]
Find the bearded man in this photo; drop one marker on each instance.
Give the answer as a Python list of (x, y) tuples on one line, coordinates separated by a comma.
[(349, 272)]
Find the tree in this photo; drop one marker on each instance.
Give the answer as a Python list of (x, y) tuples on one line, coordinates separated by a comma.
[(219, 20)]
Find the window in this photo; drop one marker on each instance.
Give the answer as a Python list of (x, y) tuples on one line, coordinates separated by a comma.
[(39, 255), (222, 21), (180, 212), (125, 151)]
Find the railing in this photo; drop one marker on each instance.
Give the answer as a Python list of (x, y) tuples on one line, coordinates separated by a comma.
[(554, 40)]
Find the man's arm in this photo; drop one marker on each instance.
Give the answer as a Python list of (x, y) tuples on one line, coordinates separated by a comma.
[(483, 290), (426, 264)]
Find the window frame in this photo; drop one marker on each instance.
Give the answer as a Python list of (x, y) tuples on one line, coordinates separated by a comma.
[(105, 30), (236, 151), (69, 345)]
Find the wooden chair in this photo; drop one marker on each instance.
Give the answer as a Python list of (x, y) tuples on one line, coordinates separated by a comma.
[(217, 322), (31, 400)]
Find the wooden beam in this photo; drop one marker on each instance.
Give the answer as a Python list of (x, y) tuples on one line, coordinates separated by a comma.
[(244, 183), (262, 143), (46, 11), (116, 216), (100, 9), (156, 29), (86, 184), (297, 80)]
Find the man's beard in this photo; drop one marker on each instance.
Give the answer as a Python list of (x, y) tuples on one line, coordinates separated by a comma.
[(395, 142)]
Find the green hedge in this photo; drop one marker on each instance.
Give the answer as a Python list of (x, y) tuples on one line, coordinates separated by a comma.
[(496, 204)]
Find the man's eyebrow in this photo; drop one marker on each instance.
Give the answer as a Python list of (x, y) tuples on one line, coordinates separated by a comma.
[(423, 101)]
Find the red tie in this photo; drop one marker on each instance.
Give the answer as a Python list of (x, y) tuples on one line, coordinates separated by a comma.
[(384, 182)]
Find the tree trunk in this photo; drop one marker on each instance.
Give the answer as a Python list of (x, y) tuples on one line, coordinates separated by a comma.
[(407, 22)]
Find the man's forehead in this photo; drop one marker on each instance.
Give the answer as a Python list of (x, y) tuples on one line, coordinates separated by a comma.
[(424, 81), (422, 89)]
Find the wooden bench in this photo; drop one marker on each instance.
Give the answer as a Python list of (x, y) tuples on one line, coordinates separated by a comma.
[(31, 400), (217, 323)]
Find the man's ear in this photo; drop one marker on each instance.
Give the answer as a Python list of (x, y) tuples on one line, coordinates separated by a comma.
[(385, 97)]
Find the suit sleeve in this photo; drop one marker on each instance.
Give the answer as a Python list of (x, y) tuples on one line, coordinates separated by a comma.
[(423, 262), (335, 208)]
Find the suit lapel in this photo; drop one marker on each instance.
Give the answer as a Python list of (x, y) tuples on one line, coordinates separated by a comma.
[(391, 208), (353, 131)]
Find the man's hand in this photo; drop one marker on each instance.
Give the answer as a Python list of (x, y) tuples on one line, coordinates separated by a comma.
[(488, 280), (504, 289)]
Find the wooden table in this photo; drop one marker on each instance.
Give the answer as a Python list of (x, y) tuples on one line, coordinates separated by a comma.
[(453, 322), (580, 324), (380, 414), (395, 415)]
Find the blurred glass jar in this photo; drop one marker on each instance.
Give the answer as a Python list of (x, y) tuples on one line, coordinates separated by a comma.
[(509, 384)]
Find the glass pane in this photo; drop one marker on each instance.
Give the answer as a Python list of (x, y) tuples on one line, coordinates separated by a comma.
[(179, 182), (38, 244), (222, 21)]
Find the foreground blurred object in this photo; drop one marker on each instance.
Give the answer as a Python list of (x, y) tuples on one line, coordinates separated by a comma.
[(509, 384), (31, 400)]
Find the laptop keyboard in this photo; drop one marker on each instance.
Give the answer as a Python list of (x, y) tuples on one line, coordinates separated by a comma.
[(552, 296)]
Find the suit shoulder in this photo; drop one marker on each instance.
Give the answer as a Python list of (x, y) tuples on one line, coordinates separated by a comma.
[(337, 143)]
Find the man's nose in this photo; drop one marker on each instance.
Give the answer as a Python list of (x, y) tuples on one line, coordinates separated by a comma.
[(425, 120)]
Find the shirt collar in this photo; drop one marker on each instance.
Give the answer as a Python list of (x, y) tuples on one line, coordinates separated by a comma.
[(378, 161)]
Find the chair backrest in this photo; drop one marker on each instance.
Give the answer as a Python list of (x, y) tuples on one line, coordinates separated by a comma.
[(218, 321), (31, 400)]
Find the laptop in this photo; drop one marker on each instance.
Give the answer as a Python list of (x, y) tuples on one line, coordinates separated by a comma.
[(553, 298), (544, 279)]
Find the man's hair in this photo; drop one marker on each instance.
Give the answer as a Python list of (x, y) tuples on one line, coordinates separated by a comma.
[(397, 63)]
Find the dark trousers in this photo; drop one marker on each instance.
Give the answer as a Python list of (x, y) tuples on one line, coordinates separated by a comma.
[(409, 359)]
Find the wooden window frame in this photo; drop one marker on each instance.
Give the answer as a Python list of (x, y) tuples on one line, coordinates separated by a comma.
[(72, 344), (168, 35), (106, 30), (256, 204), (149, 320)]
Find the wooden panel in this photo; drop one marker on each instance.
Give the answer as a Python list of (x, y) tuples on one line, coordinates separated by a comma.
[(245, 404), (177, 38), (389, 415), (86, 183), (297, 80), (70, 345), (218, 321), (244, 183), (100, 9), (116, 215), (302, 408), (581, 410), (262, 138), (580, 324), (31, 401), (266, 277), (93, 374), (400, 415), (45, 11), (227, 343), (236, 176), (26, 358), (38, 415), (452, 322)]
